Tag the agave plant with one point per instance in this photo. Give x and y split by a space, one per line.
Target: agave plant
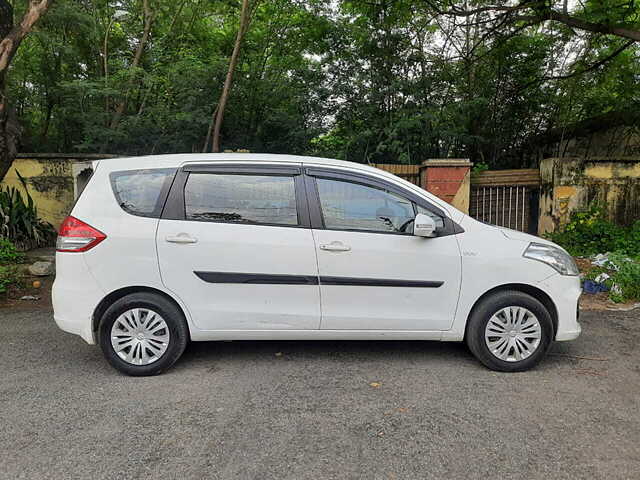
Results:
19 221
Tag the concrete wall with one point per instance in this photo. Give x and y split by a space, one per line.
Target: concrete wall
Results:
570 184
51 181
612 135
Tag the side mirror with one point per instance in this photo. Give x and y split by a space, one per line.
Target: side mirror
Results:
424 226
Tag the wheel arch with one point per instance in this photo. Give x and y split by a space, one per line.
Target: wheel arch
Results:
535 292
116 295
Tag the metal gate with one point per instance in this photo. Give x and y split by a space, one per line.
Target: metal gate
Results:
508 198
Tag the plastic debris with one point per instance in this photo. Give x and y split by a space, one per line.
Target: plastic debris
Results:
593 287
600 260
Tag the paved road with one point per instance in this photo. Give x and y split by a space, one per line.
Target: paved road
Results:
307 410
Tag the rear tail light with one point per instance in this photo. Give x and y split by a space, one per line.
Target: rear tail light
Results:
77 236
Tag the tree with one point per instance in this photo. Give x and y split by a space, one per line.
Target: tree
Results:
364 80
11 37
603 17
147 15
218 115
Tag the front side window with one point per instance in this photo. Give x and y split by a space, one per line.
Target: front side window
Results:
142 192
351 206
262 199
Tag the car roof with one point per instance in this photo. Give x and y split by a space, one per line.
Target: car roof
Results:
180 159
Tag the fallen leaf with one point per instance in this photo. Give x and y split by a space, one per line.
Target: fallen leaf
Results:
375 384
593 373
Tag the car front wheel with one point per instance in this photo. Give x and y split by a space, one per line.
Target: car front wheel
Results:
143 334
510 331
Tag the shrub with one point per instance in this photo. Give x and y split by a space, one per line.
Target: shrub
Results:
626 278
9 275
19 220
479 167
589 232
8 252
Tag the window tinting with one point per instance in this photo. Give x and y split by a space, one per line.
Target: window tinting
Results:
351 206
241 198
142 192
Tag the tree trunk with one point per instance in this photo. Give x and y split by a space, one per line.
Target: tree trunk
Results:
10 38
137 56
245 18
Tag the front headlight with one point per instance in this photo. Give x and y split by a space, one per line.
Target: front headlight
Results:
552 256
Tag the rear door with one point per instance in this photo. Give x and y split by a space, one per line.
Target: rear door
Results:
234 243
374 273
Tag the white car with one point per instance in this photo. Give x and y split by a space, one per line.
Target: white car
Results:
162 250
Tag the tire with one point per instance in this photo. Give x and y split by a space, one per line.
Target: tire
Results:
150 350
521 354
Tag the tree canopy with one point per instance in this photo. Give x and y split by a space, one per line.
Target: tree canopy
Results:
367 81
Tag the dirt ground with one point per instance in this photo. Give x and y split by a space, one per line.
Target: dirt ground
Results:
42 294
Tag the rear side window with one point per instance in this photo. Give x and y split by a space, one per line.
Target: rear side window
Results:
262 199
142 192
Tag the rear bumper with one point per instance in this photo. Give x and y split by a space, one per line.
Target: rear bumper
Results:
75 295
77 328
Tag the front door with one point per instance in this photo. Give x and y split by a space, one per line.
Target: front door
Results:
374 274
235 245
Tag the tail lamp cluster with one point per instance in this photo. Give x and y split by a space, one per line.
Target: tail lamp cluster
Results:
77 236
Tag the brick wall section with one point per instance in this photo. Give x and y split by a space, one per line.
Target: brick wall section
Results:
448 179
445 181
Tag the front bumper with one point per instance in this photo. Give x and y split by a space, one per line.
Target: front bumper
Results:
565 292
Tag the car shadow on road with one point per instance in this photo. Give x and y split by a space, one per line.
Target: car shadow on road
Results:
431 353
386 352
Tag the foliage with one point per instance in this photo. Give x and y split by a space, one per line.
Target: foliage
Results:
589 232
9 275
624 277
479 167
19 221
8 252
364 81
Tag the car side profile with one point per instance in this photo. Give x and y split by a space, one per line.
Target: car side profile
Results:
162 250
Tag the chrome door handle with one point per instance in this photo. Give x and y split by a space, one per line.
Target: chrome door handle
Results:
181 238
335 247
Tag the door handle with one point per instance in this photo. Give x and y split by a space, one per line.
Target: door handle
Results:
182 238
335 247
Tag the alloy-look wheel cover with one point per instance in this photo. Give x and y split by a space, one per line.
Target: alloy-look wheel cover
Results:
513 334
140 336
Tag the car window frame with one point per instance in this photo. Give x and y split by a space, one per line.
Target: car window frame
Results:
315 208
174 208
162 194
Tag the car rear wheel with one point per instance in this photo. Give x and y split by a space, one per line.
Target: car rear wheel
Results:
143 334
510 331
